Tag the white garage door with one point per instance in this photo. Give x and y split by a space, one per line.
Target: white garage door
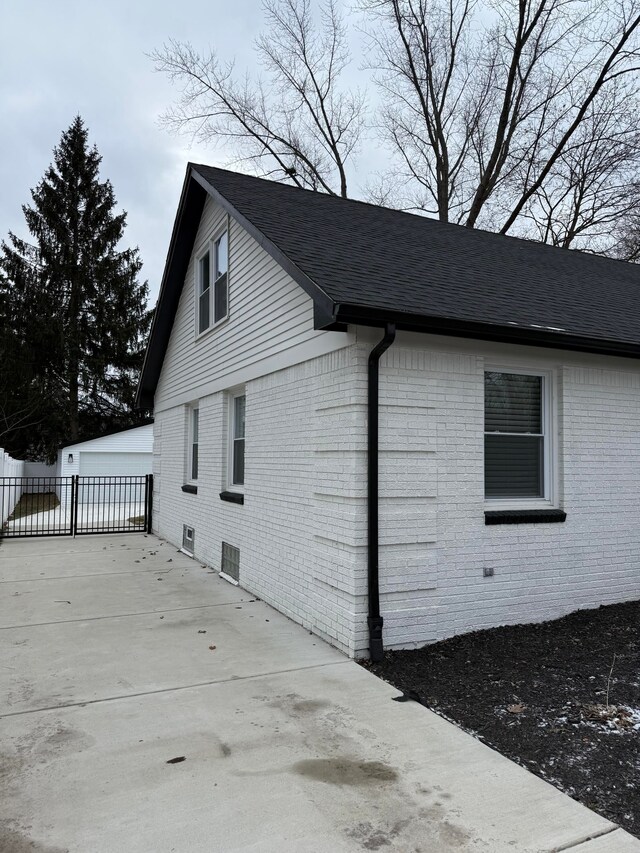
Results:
115 464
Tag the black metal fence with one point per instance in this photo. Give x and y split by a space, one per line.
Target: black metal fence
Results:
72 506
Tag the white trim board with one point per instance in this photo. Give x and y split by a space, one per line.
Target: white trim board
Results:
325 343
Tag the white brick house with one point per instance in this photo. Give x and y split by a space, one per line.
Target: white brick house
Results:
509 414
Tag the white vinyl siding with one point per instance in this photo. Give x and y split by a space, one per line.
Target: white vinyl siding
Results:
269 315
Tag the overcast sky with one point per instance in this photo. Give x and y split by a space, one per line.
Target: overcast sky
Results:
63 57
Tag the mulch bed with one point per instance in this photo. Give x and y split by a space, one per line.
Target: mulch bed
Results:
538 694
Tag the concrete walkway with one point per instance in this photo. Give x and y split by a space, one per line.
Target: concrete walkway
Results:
109 673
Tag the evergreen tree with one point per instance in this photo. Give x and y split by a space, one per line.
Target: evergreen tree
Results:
72 309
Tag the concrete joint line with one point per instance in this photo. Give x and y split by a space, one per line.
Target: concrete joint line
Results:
90 575
573 844
232 680
114 616
72 551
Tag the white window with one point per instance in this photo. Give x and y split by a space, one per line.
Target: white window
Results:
204 292
212 290
517 437
220 278
236 439
192 456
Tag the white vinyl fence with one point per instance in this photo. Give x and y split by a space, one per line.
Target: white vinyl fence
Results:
10 495
44 478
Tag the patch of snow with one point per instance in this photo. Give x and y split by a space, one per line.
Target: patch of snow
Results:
613 719
548 328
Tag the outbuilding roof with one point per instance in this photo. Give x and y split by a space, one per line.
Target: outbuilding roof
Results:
371 265
115 431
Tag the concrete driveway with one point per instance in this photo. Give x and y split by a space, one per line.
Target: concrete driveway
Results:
120 654
91 516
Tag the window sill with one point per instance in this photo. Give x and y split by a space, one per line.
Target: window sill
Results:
209 329
232 497
525 516
190 489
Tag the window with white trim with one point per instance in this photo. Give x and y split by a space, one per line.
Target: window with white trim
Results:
220 278
204 292
236 439
517 436
212 284
192 455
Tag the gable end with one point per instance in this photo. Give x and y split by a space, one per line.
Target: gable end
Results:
194 193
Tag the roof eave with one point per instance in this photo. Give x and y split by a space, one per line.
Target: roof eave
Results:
186 223
513 334
107 434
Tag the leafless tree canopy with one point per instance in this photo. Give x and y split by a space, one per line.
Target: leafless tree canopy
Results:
297 122
516 115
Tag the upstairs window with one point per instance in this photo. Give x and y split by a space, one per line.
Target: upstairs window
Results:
204 292
516 435
220 289
212 289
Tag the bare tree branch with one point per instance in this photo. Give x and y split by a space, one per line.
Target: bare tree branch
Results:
514 115
299 122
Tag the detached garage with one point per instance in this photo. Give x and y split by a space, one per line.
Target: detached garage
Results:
119 453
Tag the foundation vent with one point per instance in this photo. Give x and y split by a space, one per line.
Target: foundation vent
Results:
230 565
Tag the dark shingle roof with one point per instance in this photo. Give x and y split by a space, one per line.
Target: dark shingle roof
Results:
383 259
371 265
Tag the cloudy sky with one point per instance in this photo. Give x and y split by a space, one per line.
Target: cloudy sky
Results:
63 57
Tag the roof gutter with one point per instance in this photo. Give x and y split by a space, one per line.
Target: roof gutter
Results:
375 620
512 334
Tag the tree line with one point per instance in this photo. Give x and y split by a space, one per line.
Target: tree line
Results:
517 116
73 314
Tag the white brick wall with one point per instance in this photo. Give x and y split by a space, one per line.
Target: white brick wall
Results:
295 531
432 576
302 529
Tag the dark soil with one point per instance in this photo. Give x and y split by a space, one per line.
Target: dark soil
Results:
538 694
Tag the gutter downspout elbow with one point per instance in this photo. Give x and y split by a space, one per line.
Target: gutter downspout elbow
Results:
374 621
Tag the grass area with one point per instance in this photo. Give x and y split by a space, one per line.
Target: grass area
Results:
32 504
136 519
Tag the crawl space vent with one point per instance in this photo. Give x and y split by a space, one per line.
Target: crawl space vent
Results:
230 561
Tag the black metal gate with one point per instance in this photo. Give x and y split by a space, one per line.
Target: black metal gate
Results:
75 506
